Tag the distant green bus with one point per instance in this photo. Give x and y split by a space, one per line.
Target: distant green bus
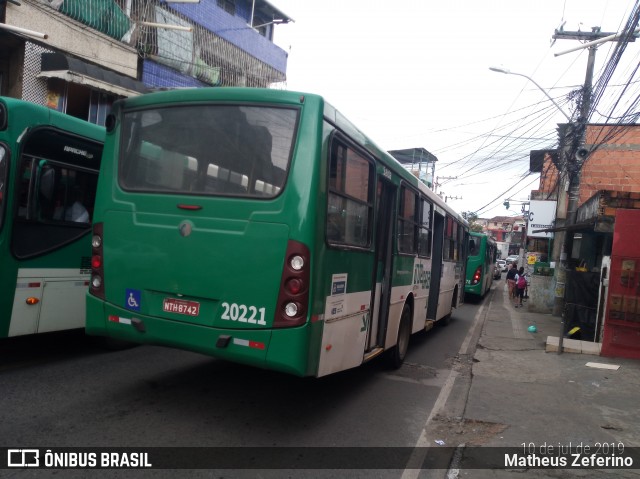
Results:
481 261
261 227
49 164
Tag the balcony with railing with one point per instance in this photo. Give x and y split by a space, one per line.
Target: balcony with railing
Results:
212 42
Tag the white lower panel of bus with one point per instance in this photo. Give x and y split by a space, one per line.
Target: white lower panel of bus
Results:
346 321
61 302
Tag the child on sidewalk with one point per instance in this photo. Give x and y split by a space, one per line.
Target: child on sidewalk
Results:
521 284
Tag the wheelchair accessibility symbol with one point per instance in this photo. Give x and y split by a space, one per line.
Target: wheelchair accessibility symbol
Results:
132 300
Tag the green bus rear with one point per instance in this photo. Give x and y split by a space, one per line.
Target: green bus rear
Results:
49 164
261 227
480 264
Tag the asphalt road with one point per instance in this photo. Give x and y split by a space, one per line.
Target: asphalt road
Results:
66 391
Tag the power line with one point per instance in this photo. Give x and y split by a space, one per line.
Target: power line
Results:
501 195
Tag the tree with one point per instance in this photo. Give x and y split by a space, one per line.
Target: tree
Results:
471 218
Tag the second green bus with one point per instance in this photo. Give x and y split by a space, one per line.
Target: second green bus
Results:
481 262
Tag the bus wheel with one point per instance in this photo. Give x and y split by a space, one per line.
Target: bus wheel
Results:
398 353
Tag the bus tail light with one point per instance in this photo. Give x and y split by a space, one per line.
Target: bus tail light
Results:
96 285
477 275
293 299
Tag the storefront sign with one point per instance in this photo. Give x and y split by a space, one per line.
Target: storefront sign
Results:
542 215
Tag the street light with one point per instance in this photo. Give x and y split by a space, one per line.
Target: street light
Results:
509 72
573 188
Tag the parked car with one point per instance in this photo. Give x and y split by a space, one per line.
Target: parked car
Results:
502 264
497 270
511 258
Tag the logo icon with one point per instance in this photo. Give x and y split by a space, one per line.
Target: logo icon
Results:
132 299
23 457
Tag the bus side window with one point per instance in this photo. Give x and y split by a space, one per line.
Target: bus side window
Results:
24 188
407 222
61 194
350 196
453 240
424 232
335 227
3 179
46 189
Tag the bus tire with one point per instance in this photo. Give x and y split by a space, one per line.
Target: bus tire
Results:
399 351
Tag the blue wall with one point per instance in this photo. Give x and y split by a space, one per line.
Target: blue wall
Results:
234 29
156 75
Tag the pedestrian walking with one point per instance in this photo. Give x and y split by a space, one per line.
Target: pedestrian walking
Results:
511 279
521 284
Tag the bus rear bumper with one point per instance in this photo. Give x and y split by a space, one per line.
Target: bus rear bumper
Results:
280 349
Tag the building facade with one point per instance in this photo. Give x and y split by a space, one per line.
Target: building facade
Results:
507 229
78 56
610 179
609 187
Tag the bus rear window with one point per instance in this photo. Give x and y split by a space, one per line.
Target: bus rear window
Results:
207 150
474 246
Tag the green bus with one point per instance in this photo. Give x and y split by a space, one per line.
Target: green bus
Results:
49 165
481 262
262 227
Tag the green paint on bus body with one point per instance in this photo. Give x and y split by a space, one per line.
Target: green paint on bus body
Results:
195 233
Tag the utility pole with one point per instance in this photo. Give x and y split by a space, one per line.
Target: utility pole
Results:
437 184
573 154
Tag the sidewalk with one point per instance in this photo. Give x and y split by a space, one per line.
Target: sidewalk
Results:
520 393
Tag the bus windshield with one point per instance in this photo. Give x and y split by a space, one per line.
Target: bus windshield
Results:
207 149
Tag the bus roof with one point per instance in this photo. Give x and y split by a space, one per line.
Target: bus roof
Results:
20 114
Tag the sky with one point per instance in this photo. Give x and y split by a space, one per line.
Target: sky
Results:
415 74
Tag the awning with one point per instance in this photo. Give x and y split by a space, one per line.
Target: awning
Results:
58 65
412 156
